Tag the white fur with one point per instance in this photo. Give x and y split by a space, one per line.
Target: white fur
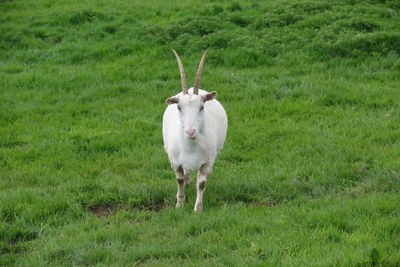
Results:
200 153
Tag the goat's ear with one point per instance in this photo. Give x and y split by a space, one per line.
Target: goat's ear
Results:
209 96
172 100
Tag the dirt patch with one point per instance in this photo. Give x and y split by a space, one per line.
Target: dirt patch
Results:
157 206
103 211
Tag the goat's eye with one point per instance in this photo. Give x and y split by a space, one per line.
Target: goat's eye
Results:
201 108
179 108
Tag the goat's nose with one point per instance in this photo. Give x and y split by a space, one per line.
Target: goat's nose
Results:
191 132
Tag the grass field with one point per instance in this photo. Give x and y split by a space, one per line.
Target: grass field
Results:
310 172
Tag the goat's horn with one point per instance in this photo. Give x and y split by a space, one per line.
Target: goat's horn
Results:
198 74
182 71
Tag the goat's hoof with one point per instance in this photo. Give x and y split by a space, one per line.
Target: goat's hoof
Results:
198 207
179 204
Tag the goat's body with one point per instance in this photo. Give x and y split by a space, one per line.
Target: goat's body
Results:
193 154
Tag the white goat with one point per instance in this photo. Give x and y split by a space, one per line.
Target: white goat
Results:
194 131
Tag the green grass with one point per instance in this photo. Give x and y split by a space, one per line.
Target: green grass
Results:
309 175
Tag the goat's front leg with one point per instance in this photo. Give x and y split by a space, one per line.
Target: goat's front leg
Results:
181 180
202 177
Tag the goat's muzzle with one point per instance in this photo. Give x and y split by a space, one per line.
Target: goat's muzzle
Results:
191 133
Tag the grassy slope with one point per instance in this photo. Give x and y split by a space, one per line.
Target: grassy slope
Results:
311 89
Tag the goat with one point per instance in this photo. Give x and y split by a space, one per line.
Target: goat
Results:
194 131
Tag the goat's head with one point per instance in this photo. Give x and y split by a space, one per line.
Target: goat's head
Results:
190 105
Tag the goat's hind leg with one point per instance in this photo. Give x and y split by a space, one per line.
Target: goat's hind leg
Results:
180 180
188 178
